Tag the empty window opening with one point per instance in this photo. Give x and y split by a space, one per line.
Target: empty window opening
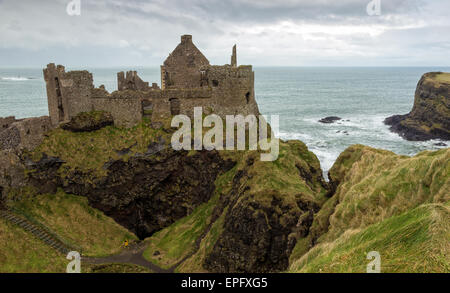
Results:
247 97
59 99
215 83
174 106
147 109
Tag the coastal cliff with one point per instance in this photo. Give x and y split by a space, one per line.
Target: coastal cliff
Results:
225 211
430 116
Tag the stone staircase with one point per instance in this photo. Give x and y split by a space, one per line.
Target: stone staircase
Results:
37 231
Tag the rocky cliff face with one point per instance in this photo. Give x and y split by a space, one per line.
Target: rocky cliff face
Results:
145 193
430 116
262 223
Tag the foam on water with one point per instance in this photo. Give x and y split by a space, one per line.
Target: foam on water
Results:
15 78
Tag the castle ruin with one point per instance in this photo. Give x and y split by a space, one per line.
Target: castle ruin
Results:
187 81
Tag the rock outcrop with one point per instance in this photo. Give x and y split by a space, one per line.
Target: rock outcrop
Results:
430 116
23 133
330 119
89 121
144 193
262 223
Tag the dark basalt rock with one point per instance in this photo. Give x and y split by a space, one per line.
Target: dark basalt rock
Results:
330 119
441 144
89 121
258 236
2 199
145 193
430 116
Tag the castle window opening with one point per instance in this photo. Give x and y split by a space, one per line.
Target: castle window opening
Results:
247 97
174 106
59 98
215 83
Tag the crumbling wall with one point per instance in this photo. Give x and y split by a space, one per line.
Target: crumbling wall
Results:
132 81
124 106
25 134
68 93
232 90
187 81
6 122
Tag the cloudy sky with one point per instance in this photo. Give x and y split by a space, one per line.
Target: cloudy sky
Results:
267 32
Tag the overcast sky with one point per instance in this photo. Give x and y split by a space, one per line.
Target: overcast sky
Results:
267 32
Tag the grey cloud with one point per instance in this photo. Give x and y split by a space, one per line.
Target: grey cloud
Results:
152 29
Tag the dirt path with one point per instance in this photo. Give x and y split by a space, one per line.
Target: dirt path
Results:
131 255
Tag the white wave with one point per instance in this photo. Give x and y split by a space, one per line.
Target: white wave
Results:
293 135
15 78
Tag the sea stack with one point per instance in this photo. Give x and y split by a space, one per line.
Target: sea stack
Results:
430 116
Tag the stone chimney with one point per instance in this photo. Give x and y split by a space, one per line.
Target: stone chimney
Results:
234 57
186 38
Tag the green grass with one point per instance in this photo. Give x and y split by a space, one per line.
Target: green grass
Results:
442 77
415 241
115 268
74 221
89 151
375 185
21 252
379 184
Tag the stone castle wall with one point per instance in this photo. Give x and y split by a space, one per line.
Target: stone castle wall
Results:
24 133
187 81
67 93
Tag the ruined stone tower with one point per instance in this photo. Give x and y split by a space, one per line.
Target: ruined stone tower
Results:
187 81
67 93
182 69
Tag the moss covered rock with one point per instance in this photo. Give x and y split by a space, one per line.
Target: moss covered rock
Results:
430 116
89 121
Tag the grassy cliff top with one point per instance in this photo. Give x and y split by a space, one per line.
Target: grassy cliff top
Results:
393 204
441 77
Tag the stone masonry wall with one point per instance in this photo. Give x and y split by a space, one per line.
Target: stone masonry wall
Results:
25 133
124 106
67 93
182 68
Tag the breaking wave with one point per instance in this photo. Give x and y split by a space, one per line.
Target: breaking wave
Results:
15 78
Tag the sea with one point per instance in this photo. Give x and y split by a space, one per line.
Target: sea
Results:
362 97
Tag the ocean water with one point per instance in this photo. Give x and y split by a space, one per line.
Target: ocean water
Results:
363 97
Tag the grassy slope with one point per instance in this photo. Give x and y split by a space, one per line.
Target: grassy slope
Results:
380 184
73 220
375 186
116 268
21 252
415 241
89 151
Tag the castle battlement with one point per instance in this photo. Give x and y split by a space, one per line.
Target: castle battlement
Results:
187 81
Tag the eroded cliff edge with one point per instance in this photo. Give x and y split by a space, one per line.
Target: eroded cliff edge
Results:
430 116
227 211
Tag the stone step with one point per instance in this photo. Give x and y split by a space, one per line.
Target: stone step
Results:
38 232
